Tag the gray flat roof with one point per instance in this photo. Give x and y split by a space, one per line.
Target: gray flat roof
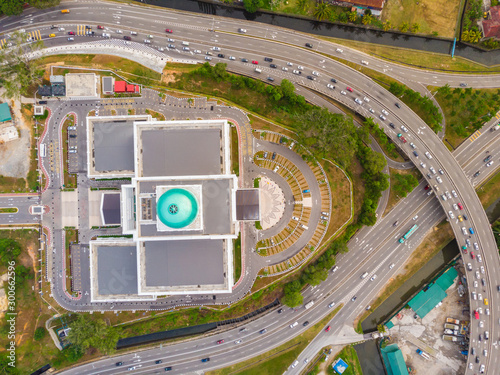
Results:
216 203
113 146
187 262
247 204
111 208
181 152
116 270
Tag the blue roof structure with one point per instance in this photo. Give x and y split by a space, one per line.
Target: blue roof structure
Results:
177 208
5 114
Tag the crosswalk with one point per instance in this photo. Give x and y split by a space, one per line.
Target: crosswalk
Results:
2 43
475 136
80 30
35 35
498 115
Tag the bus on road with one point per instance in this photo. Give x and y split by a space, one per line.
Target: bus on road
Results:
408 234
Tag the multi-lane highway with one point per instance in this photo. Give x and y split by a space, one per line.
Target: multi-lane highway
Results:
289 47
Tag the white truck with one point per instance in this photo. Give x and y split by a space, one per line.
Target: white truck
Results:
309 305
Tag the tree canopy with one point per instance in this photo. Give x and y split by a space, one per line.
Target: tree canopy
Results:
9 250
251 6
86 333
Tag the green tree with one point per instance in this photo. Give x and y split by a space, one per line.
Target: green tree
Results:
415 28
87 333
11 7
367 19
353 16
466 35
404 184
252 6
404 27
18 70
9 250
40 333
219 71
293 299
343 17
444 90
5 368
322 11
381 328
387 25
287 88
43 4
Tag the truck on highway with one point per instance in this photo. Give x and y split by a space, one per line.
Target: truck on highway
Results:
453 321
408 234
309 305
423 354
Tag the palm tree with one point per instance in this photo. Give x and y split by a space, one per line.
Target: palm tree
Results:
322 11
466 35
353 16
475 36
387 25
404 27
303 5
415 28
367 19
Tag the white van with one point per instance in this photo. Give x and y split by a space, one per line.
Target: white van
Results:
258 70
294 364
147 41
294 325
185 43
364 275
106 35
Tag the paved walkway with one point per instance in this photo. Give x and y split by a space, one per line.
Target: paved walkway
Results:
272 203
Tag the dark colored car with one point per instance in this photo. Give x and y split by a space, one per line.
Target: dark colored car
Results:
52 27
268 59
463 84
274 66
221 55
311 78
88 27
42 102
333 80
158 361
169 368
397 105
270 79
127 37
263 331
244 60
274 156
280 310
476 174
306 323
392 125
487 159
220 342
206 359
309 45
426 187
119 363
72 135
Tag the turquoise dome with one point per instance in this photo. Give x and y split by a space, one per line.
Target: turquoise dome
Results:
177 208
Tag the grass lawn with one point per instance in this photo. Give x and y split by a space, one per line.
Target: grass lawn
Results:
393 197
237 258
431 15
260 123
156 115
71 237
69 179
8 210
490 190
349 355
277 360
235 159
466 110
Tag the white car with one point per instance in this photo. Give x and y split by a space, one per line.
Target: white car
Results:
294 364
422 164
364 62
415 217
382 117
487 311
315 73
443 197
170 40
439 179
469 267
242 30
358 101
478 276
479 258
476 246
289 64
237 342
197 51
61 29
343 92
373 277
451 214
232 58
215 49
476 284
441 171
186 49
412 145
403 128
391 266
366 99
385 112
208 58
331 87
340 50
71 39
285 69
455 207
300 67
429 156
433 171
331 305
371 110
481 324
482 270
296 72
119 32
294 325
489 164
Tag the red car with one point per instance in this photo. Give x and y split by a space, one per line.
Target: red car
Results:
460 206
255 62
476 314
472 255
168 31
71 33
220 341
348 89
100 27
328 328
426 187
403 139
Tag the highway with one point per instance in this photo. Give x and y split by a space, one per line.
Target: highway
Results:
196 29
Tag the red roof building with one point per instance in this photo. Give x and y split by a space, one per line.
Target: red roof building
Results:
137 89
130 88
120 86
491 26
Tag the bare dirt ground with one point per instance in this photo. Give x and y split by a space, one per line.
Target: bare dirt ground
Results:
411 334
15 155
